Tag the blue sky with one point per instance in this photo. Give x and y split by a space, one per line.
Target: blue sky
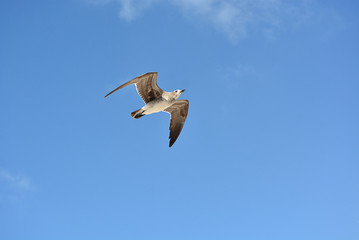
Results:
270 148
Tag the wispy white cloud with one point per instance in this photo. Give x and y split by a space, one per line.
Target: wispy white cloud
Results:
129 9
235 18
15 181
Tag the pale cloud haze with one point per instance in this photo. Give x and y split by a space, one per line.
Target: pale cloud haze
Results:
15 181
235 19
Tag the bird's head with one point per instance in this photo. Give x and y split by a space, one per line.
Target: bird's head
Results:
178 93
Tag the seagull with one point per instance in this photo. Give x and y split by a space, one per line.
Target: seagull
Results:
157 100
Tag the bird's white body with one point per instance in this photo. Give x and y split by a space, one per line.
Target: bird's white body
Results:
157 105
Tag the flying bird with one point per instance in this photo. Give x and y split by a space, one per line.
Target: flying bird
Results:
157 100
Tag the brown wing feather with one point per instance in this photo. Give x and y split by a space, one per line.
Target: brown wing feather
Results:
146 86
178 111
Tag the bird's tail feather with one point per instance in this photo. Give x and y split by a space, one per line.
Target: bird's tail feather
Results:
138 113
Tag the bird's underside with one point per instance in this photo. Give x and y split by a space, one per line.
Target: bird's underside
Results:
158 100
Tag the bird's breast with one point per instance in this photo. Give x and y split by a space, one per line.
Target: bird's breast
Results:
157 105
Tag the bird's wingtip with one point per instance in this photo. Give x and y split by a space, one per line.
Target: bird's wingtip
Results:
171 142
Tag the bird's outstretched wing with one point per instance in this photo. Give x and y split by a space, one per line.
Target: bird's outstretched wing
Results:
178 111
146 86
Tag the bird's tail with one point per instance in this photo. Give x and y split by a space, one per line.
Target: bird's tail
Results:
138 113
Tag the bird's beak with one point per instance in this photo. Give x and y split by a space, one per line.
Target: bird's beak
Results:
183 90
